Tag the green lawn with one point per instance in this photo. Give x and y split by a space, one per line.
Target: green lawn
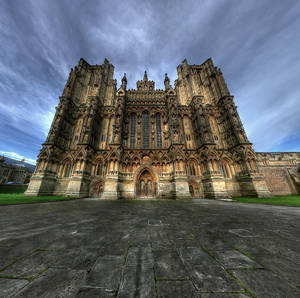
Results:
19 198
292 201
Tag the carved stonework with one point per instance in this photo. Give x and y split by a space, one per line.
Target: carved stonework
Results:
181 142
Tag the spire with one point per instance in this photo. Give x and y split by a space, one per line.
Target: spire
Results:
124 82
145 76
167 82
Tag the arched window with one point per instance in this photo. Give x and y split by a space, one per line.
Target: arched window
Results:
99 169
193 170
132 130
66 170
145 117
158 130
225 169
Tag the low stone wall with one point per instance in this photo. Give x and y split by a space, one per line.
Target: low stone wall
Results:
281 170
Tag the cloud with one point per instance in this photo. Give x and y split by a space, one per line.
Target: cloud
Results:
254 43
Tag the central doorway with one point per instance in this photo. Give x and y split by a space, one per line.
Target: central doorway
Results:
97 189
146 187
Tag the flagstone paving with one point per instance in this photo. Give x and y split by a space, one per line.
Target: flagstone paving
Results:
199 248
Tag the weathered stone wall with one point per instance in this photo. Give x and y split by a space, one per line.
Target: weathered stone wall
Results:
233 188
281 171
279 181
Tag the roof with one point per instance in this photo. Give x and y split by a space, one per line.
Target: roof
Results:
10 161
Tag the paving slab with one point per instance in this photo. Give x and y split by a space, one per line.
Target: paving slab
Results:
32 265
283 266
224 295
138 274
97 248
175 288
206 273
9 287
54 283
159 238
106 272
210 242
265 284
82 258
192 256
233 259
213 278
167 265
138 281
22 247
94 292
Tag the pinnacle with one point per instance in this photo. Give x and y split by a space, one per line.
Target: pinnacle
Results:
145 76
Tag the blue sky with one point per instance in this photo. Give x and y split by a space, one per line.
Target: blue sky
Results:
256 43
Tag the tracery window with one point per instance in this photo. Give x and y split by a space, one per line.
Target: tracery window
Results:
224 171
145 118
66 169
132 130
99 169
158 130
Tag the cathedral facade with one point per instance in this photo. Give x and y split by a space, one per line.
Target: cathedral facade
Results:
181 142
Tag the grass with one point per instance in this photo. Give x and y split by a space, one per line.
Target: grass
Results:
19 198
292 201
13 194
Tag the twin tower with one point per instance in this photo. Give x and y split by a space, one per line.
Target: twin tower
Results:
182 142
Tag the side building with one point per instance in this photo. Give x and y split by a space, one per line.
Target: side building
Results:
181 142
15 171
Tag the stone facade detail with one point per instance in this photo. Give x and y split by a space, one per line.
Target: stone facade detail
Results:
281 170
181 142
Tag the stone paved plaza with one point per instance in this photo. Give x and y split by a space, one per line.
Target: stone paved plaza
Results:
200 248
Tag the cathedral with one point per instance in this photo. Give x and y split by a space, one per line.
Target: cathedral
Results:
185 141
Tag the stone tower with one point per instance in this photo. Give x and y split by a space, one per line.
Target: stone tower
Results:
181 142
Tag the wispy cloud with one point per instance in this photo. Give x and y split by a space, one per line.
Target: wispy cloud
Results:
255 43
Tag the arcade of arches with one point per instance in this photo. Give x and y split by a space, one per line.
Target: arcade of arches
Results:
185 141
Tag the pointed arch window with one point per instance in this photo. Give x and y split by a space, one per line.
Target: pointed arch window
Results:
65 169
145 117
158 130
193 170
99 169
132 130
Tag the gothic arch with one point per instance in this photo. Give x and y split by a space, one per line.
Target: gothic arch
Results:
99 167
193 167
194 188
146 182
97 188
226 167
65 168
